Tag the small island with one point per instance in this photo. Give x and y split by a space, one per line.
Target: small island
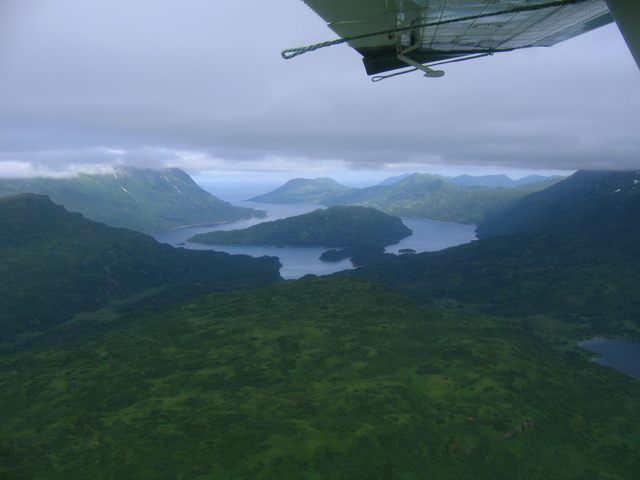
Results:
350 227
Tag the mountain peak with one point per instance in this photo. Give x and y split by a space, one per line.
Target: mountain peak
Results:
146 200
304 190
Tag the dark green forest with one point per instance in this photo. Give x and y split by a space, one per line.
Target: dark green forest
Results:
339 226
578 264
322 378
458 364
55 264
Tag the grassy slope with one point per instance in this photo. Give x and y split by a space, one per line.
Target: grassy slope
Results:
429 196
333 378
417 195
149 201
304 190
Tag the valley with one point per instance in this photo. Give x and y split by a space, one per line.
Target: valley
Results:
461 363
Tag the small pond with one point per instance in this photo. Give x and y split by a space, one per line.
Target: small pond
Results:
623 355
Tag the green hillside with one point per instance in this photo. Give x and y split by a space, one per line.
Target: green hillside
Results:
585 194
304 190
455 365
417 195
54 264
340 226
582 274
149 201
499 180
432 197
332 378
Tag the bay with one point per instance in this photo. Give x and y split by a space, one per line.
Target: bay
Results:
428 235
623 355
431 235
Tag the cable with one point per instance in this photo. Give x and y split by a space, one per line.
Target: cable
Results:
294 52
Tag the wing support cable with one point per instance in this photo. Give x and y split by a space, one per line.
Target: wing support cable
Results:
294 52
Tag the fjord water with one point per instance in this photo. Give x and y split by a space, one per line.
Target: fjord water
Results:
623 355
428 236
431 236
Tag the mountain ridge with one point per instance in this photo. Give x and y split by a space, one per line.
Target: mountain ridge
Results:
416 195
303 190
565 202
146 200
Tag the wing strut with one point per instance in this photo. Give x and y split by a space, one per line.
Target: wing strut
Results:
377 78
626 13
294 52
429 72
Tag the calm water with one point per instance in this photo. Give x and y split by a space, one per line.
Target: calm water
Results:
623 355
428 236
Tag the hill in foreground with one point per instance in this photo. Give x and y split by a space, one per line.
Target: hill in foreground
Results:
149 201
339 226
55 264
333 378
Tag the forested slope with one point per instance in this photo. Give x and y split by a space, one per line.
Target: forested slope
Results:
339 226
54 263
577 264
333 378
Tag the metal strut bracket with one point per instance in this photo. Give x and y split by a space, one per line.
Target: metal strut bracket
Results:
414 39
429 72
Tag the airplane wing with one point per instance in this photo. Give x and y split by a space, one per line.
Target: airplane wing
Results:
391 34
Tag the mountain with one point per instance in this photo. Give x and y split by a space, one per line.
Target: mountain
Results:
331 378
55 264
339 226
149 201
432 197
304 190
417 195
500 180
482 180
460 364
392 180
576 264
595 194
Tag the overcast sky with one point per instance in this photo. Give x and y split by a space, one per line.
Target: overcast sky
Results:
201 85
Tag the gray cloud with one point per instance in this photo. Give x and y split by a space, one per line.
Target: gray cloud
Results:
202 85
